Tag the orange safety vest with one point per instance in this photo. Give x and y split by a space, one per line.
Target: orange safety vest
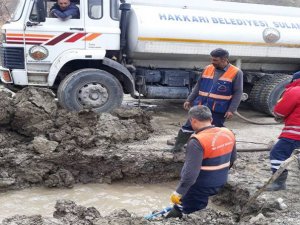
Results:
216 96
217 144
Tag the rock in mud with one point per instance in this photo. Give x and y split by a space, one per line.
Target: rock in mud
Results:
42 145
70 213
62 178
31 220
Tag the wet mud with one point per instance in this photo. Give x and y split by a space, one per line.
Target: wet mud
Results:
44 145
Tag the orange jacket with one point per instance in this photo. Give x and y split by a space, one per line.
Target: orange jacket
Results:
218 144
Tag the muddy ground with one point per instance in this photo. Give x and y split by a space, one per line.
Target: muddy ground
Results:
44 145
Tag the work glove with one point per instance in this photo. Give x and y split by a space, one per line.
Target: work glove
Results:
175 198
279 119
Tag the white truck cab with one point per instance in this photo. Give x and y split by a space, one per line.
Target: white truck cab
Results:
41 51
153 49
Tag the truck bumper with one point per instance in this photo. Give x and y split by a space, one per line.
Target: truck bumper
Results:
5 75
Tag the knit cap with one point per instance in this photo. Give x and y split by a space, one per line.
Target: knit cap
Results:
296 76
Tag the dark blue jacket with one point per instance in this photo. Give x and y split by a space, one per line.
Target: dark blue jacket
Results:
72 11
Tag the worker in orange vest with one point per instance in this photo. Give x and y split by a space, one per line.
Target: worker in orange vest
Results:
210 153
220 88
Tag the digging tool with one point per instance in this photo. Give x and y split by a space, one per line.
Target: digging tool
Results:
160 213
282 167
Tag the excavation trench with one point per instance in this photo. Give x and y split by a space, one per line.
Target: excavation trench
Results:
111 161
43 145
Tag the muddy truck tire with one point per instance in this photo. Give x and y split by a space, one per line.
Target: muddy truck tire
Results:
267 91
90 89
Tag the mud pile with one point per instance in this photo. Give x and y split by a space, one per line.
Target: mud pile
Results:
67 213
42 144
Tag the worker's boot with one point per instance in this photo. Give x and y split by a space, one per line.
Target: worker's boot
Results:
279 183
181 140
171 141
174 213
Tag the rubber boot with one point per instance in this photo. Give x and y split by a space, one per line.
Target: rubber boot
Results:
171 141
174 213
181 140
279 183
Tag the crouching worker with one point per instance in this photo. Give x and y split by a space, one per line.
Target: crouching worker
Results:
288 109
210 153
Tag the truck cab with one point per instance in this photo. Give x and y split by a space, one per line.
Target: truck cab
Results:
40 50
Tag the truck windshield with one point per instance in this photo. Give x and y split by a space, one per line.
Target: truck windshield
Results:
16 7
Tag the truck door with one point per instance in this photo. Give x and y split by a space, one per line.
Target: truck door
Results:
45 41
102 23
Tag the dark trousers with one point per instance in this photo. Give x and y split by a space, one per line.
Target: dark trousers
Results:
281 151
197 198
218 121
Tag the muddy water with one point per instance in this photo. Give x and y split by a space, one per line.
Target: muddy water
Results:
140 199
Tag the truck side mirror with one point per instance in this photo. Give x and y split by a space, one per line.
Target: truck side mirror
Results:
41 10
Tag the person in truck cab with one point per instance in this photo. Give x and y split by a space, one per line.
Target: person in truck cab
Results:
64 10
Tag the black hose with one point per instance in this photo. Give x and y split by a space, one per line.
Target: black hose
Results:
252 121
252 142
254 150
263 149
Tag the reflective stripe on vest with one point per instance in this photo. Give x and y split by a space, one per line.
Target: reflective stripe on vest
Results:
206 94
217 143
222 166
289 129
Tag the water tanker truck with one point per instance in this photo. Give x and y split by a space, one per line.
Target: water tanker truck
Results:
149 49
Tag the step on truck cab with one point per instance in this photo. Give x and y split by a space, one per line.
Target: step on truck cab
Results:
153 49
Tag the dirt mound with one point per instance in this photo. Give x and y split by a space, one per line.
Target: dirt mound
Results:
42 144
67 213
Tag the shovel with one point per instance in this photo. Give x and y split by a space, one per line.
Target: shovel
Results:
283 166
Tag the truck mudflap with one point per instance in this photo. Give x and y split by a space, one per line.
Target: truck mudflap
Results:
5 75
129 81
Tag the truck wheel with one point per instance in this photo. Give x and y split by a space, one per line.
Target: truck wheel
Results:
90 89
267 91
257 90
272 92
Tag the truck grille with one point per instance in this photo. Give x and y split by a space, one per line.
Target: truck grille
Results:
12 58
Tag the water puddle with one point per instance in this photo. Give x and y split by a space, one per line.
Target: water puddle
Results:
140 199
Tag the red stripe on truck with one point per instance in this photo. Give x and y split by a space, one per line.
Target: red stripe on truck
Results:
76 37
59 38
